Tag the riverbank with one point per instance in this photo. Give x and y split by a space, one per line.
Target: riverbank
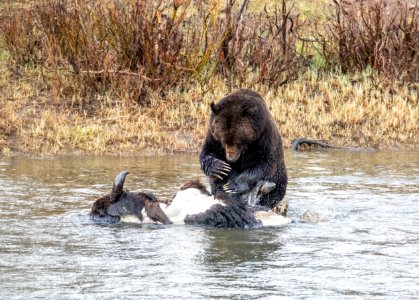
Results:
94 77
340 109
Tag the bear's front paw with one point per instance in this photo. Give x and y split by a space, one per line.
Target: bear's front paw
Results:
236 187
219 169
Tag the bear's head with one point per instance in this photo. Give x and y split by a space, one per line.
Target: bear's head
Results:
237 121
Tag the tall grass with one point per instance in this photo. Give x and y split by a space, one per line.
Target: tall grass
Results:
112 76
378 34
329 107
19 37
128 48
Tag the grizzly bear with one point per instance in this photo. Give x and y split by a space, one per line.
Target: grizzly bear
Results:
243 147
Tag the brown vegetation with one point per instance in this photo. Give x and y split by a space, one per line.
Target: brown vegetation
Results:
378 34
99 76
88 47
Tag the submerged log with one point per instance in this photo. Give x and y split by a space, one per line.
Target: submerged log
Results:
303 144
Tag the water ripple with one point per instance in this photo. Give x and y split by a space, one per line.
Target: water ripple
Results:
365 244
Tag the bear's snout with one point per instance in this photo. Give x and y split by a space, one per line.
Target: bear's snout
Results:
232 153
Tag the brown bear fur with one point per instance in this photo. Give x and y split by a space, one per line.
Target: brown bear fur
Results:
243 147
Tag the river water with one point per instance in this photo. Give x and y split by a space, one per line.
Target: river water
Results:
365 244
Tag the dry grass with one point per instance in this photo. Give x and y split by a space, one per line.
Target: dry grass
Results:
48 107
337 109
378 34
128 48
333 108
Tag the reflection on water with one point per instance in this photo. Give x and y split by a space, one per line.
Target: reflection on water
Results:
365 245
240 246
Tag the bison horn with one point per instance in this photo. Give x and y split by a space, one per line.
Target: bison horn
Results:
118 186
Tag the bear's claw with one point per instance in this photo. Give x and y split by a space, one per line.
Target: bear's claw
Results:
226 167
228 189
236 186
223 173
220 169
218 176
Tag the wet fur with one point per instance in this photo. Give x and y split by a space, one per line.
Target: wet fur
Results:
197 184
233 215
129 204
119 203
225 216
243 119
192 198
112 207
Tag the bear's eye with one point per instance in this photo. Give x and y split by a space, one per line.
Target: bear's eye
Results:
253 110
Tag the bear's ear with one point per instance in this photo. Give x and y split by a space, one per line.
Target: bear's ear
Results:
253 110
214 108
